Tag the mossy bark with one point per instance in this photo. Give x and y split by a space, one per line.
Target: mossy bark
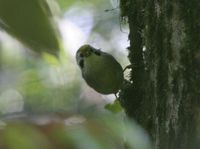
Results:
0 56
164 94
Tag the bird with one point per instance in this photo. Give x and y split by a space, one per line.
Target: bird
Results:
100 70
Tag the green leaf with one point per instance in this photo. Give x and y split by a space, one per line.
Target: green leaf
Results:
114 107
15 138
64 4
30 22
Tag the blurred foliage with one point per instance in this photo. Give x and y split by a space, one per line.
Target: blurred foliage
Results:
65 4
30 21
44 94
75 132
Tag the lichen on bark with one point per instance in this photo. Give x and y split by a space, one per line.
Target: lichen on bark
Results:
164 96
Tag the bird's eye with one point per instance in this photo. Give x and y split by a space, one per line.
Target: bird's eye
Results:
81 63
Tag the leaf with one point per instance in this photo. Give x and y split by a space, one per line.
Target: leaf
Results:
64 4
30 22
52 60
114 107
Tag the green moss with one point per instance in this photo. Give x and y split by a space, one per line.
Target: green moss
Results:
124 7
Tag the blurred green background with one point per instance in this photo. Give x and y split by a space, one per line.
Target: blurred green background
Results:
42 83
42 95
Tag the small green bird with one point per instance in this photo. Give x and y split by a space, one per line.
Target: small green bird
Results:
100 70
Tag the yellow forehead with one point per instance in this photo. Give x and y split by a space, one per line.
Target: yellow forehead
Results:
85 50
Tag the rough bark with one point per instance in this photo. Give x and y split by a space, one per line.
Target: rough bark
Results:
164 94
0 56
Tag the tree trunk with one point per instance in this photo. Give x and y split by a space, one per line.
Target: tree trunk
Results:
1 56
164 94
